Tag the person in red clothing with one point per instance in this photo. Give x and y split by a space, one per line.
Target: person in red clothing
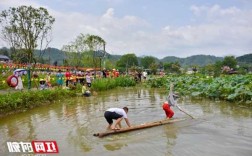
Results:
68 76
117 73
168 111
172 101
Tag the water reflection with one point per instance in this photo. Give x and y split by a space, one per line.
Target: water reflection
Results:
171 135
114 146
226 108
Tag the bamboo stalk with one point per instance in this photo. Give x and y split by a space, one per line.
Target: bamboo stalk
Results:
137 127
184 112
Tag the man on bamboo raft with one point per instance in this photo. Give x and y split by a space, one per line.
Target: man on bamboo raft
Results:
116 114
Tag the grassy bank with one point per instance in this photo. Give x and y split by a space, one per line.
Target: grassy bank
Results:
21 101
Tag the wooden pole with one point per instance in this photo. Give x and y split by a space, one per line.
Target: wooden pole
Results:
185 112
142 126
171 94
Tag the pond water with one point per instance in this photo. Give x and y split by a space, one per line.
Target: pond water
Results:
219 128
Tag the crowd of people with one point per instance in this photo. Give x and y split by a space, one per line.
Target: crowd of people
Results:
46 79
66 78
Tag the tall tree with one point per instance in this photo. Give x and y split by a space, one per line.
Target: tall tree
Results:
147 61
97 46
229 61
26 28
153 68
4 51
167 67
173 67
127 61
88 44
74 54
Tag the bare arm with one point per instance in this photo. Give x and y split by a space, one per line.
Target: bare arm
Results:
127 121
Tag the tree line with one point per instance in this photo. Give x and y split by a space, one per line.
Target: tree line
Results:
26 29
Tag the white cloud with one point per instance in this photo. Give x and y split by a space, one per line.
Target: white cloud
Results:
197 10
109 13
215 30
119 33
225 31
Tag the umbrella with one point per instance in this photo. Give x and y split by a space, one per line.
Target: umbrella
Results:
19 72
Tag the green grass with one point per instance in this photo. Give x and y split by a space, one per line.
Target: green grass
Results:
19 101
110 83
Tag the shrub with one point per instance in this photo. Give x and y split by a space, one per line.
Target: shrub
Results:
110 83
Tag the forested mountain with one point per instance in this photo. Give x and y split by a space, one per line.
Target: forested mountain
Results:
200 60
247 59
113 58
53 55
170 59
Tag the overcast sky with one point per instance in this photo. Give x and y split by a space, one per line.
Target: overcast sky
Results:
157 28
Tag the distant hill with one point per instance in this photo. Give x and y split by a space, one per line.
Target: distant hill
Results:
200 60
246 59
170 59
54 54
113 58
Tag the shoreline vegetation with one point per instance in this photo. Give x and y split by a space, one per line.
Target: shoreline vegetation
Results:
16 102
19 101
236 89
232 88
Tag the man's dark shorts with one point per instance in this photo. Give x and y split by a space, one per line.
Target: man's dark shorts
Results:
109 116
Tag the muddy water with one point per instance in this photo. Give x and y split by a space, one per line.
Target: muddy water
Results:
219 128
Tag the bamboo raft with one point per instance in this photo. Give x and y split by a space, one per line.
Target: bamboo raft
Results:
137 127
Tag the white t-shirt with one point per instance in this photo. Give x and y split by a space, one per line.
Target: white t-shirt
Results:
118 111
144 74
88 79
